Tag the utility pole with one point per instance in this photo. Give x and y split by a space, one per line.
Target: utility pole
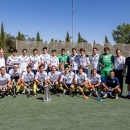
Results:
72 23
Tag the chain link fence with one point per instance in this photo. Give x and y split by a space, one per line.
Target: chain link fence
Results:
30 45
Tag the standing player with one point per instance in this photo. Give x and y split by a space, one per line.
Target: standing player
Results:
54 61
94 60
84 61
127 65
5 82
35 61
106 62
16 74
11 60
67 81
45 58
28 80
63 58
41 78
3 59
111 84
81 81
24 60
119 62
74 61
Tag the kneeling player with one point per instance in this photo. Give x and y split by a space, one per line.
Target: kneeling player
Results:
28 81
81 81
53 77
66 80
111 85
15 75
5 82
41 78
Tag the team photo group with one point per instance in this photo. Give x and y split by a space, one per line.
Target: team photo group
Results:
64 73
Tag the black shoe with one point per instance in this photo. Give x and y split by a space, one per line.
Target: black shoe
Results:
3 95
127 97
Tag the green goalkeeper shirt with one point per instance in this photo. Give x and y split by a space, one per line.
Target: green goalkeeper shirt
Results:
63 59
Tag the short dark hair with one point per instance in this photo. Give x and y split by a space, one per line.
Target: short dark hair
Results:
24 50
29 66
53 66
44 48
106 48
80 68
63 49
14 50
82 49
35 50
3 67
42 65
95 48
73 49
66 67
118 50
53 50
112 71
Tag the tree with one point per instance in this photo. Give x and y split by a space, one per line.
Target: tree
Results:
2 36
94 42
41 40
122 34
52 40
67 39
38 37
80 39
60 41
106 39
21 37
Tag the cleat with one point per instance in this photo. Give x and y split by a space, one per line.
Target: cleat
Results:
127 97
105 96
116 96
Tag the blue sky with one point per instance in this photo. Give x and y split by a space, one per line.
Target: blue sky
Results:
53 18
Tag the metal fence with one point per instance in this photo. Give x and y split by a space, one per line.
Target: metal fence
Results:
30 45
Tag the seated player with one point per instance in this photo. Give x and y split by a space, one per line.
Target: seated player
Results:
53 77
67 80
111 84
5 82
61 68
28 80
34 61
41 78
15 75
81 81
94 81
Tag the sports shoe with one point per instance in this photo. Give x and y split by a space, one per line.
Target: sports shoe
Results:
2 95
116 97
23 91
64 91
105 96
127 97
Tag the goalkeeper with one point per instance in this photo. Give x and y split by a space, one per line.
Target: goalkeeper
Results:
106 62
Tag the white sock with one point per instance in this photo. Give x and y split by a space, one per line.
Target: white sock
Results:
129 93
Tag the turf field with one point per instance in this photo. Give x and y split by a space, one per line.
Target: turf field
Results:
64 113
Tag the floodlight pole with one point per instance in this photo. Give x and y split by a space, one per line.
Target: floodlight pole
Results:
72 23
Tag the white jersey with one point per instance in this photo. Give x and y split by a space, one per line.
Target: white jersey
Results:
12 60
4 79
54 61
23 62
84 61
94 59
35 61
94 79
41 76
2 62
45 59
28 77
54 77
15 75
68 78
119 62
81 78
74 60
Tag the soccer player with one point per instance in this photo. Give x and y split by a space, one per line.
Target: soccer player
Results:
106 62
54 61
84 61
3 59
5 82
11 60
67 81
74 61
81 81
119 62
61 68
24 60
94 60
63 58
127 65
35 61
15 75
28 80
111 84
41 78
53 77
45 58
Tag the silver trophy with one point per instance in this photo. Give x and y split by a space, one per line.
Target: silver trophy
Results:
47 95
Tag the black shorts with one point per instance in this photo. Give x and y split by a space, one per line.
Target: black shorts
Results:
127 81
68 85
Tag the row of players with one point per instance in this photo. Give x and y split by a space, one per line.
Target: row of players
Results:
64 80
